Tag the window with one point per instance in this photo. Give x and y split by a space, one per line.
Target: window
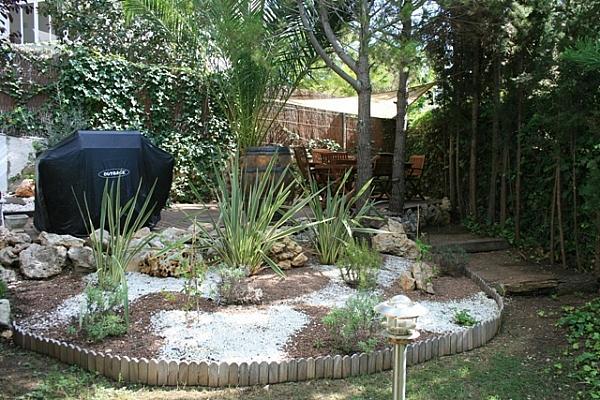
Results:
28 25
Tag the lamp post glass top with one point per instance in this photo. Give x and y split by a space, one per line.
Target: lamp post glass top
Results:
401 315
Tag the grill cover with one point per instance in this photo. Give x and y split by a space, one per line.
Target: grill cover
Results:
83 163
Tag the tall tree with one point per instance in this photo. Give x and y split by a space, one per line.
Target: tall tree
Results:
315 18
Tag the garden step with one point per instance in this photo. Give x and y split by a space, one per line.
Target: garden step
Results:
470 243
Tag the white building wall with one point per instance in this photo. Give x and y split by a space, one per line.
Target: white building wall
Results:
15 154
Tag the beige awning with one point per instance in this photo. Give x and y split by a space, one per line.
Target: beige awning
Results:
383 105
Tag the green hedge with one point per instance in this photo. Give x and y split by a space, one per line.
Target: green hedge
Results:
83 89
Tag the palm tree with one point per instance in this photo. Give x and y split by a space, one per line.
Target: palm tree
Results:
254 52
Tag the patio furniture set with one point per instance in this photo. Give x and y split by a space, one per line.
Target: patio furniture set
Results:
328 166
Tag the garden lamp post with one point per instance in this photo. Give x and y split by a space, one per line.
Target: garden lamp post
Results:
400 324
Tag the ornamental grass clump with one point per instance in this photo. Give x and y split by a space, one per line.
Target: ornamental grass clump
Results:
253 216
113 250
339 215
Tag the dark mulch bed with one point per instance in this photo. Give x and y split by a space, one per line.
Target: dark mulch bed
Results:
30 297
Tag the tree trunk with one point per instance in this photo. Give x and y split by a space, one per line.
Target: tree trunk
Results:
459 194
503 181
364 170
474 128
559 214
491 212
575 210
398 183
517 210
451 170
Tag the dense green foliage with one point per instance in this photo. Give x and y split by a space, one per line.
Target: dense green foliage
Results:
90 90
354 326
584 335
518 100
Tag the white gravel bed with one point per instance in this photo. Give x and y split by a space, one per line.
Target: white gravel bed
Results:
233 335
27 206
440 318
391 270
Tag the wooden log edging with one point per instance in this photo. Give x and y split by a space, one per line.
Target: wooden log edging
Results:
161 372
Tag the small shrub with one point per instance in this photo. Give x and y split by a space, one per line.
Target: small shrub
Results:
100 318
583 326
3 289
234 289
354 326
463 318
359 265
450 260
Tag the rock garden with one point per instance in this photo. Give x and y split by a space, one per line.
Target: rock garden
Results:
295 289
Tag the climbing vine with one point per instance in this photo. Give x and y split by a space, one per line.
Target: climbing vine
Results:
79 88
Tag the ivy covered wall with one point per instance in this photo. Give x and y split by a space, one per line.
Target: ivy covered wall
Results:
52 93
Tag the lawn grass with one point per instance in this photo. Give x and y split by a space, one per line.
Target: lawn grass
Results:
482 374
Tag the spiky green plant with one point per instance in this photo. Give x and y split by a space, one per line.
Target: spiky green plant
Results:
338 217
112 254
253 216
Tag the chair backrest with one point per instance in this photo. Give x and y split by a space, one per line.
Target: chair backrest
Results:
334 157
317 155
417 164
383 164
302 161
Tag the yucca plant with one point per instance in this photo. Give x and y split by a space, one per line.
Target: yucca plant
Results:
252 216
338 218
112 254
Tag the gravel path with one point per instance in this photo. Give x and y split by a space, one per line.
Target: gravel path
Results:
235 334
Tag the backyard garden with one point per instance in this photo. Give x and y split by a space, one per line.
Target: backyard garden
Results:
171 236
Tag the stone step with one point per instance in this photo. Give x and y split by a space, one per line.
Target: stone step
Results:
478 245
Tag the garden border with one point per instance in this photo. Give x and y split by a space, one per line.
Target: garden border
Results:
162 372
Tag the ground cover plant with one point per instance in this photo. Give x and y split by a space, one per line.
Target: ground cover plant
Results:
583 324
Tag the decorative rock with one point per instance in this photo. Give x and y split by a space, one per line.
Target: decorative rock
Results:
142 233
393 240
163 265
95 236
8 258
407 282
52 239
10 238
173 235
4 313
423 273
39 262
287 254
26 188
8 275
82 257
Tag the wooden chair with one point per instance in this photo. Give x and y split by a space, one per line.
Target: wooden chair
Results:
302 162
414 174
382 174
